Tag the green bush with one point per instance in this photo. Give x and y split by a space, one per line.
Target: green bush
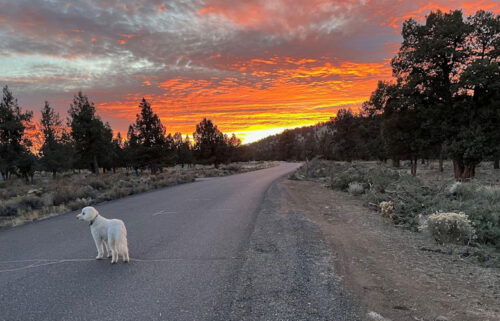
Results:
355 188
412 198
343 175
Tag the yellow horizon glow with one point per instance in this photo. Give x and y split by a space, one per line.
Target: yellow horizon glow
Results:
251 136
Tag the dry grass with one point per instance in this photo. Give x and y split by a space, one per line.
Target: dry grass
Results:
414 199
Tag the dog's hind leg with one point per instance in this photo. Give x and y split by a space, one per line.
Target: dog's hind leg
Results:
125 257
114 252
108 250
99 245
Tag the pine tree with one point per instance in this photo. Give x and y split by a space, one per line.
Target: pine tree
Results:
183 149
56 150
91 136
15 157
132 150
150 135
209 143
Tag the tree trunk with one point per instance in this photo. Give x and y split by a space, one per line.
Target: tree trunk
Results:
496 164
95 166
441 168
396 162
54 174
413 169
463 172
457 169
423 161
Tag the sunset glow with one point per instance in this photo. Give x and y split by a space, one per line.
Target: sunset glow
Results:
254 67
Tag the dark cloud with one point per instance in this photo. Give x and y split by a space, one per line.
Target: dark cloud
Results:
258 58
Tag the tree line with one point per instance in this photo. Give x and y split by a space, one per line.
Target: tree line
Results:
444 103
86 142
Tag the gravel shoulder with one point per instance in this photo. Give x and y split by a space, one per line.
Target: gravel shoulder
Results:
287 272
396 273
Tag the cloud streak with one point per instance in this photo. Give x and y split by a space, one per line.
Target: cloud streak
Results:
249 65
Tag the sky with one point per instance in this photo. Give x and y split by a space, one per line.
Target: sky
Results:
255 67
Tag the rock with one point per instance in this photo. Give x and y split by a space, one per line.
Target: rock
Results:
376 317
441 318
36 191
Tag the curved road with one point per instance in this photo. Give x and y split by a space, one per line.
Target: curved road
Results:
215 249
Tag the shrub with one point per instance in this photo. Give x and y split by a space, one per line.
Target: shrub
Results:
31 201
343 175
8 209
233 167
79 203
87 191
66 194
381 178
387 209
97 183
355 188
453 189
413 198
450 228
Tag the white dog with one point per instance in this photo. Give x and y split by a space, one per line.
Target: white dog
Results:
109 235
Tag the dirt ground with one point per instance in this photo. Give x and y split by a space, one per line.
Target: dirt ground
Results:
398 274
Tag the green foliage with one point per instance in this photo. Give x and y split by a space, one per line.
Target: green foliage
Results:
56 152
413 199
152 146
15 157
444 103
356 188
211 146
92 138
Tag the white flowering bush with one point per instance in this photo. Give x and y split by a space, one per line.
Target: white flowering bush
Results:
355 188
387 209
450 228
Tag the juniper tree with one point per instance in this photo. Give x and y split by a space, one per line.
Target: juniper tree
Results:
450 63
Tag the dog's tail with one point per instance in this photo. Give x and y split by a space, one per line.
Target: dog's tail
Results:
123 242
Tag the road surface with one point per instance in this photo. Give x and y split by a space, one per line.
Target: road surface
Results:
216 249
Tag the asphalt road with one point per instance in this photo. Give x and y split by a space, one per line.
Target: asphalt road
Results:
214 249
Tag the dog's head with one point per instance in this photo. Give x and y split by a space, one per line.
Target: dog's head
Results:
88 214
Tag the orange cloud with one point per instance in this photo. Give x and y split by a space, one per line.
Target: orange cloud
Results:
293 95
